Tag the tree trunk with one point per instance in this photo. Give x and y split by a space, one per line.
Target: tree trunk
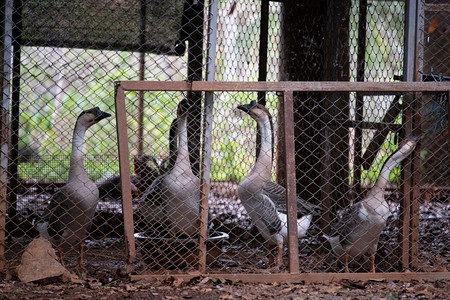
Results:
315 47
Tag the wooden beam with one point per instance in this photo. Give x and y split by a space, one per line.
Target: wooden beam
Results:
291 194
125 183
384 88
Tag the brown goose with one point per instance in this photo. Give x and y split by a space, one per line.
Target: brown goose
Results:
359 228
264 200
110 187
71 210
173 199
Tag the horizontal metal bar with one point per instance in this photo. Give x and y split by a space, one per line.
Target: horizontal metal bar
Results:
308 277
303 86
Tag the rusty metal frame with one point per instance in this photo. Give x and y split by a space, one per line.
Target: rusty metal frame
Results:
287 89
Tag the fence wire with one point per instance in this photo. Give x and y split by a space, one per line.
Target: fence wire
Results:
61 58
237 244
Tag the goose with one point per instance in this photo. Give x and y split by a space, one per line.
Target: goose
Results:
264 200
110 186
173 198
151 209
358 229
71 210
168 163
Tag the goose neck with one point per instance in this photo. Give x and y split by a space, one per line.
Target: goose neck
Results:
76 158
387 168
263 164
183 151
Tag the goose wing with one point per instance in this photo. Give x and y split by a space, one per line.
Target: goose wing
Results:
277 193
349 225
268 214
153 192
58 214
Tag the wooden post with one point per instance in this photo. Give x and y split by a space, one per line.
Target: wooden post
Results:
124 165
291 195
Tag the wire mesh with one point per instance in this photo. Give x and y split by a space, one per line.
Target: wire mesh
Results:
53 75
233 157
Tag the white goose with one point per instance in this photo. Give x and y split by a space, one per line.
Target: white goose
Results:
264 200
171 203
69 215
357 231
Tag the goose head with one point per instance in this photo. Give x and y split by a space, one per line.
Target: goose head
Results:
409 144
140 163
92 116
255 110
183 108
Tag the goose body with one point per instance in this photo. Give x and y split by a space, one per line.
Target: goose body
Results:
172 201
264 200
69 215
358 229
144 175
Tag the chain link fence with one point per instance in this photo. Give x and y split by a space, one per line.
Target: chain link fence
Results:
61 58
237 244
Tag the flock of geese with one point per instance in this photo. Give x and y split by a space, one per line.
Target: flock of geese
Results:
172 198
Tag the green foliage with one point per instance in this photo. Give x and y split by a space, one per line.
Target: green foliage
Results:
230 164
56 168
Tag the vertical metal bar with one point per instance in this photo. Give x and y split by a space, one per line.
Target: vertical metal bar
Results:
205 180
140 141
195 72
124 167
415 205
448 116
408 226
207 137
291 195
359 104
410 40
14 116
263 42
262 65
4 126
405 203
212 41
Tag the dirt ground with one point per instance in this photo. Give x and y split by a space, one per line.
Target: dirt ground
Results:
111 287
105 257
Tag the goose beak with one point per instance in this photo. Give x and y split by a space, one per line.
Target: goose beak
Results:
244 108
100 115
247 107
416 138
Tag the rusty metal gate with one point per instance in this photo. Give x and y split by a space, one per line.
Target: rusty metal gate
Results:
242 253
62 57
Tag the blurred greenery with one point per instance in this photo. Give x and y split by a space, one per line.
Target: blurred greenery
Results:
58 83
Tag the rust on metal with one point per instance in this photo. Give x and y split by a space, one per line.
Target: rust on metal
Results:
408 211
205 180
303 86
291 197
405 203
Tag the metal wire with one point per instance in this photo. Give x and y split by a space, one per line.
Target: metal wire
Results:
65 58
